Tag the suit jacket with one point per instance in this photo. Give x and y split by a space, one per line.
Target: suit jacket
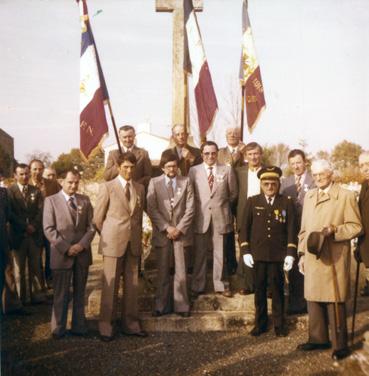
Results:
288 188
363 243
162 214
225 157
25 211
4 220
117 221
242 181
143 169
339 208
214 205
47 187
269 231
61 232
185 164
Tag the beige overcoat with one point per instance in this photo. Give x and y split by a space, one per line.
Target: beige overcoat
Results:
338 207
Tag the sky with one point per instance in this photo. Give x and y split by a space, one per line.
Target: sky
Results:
314 59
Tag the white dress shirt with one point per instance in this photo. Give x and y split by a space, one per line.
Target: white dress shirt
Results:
253 182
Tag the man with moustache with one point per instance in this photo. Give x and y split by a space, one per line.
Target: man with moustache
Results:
296 186
268 241
118 220
170 206
26 235
67 223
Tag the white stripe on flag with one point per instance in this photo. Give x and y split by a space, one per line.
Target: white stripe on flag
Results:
195 47
89 80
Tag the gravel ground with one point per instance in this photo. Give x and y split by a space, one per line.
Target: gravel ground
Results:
28 350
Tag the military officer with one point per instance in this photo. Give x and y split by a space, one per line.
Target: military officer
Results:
268 241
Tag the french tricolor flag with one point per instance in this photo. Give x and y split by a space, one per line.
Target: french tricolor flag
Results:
93 91
195 62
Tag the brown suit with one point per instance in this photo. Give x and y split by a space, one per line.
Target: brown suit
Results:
24 211
62 233
225 157
143 169
339 208
120 226
171 252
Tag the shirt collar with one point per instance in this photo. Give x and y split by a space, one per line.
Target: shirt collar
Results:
123 181
327 189
267 199
174 180
254 170
67 197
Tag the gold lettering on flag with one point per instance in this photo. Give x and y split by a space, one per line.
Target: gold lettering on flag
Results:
87 128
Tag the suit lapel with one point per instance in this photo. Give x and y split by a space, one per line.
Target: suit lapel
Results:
164 193
63 205
178 193
120 192
19 196
202 172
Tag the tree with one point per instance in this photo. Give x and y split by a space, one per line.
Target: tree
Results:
345 155
322 154
74 161
45 157
276 155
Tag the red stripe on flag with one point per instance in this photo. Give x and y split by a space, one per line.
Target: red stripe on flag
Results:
254 98
93 124
206 101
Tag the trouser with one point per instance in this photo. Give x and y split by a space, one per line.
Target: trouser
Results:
171 289
47 270
61 285
322 315
28 252
296 300
113 268
10 298
246 275
230 252
220 276
272 273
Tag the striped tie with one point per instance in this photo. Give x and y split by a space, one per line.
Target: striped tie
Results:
298 184
211 178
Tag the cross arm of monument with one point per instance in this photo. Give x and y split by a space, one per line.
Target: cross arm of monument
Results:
171 5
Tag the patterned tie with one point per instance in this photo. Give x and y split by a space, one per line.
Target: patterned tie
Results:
25 191
127 192
211 178
269 201
171 191
298 184
72 209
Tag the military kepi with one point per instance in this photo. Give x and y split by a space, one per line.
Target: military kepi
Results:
270 172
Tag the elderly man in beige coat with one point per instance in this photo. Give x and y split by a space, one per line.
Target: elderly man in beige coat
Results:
118 219
334 212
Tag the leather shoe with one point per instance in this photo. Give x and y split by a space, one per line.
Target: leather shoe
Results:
255 332
341 354
57 336
77 334
106 338
245 292
157 314
184 314
141 334
308 346
281 331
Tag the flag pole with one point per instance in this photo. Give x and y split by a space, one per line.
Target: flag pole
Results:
242 109
114 126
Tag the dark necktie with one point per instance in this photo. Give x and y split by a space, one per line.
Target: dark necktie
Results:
270 201
128 192
72 209
211 178
171 190
24 191
298 184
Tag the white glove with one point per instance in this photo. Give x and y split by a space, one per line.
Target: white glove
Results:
248 260
302 265
288 263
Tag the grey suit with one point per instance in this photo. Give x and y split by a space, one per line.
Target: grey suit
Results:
213 219
296 300
171 252
62 233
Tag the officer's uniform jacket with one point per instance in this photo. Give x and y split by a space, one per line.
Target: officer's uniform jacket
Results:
268 232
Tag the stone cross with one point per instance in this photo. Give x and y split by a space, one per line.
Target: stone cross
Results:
179 79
